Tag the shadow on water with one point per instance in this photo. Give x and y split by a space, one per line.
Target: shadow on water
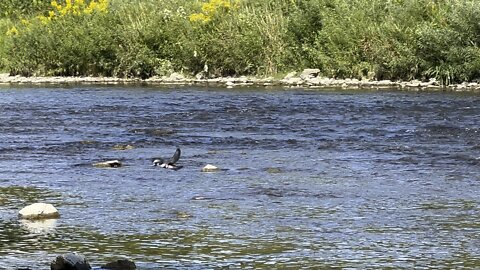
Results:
308 179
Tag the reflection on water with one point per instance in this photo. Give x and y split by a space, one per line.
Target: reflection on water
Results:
382 180
39 226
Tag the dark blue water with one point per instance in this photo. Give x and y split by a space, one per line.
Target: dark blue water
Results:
310 179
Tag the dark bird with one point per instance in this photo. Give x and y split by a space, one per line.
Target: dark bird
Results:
168 163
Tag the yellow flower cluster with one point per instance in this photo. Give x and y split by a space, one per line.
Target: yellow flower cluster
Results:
70 7
74 7
12 31
211 8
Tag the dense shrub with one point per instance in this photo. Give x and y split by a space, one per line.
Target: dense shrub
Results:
246 40
376 39
69 41
18 8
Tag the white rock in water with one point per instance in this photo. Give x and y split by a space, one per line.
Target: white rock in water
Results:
210 168
39 211
109 164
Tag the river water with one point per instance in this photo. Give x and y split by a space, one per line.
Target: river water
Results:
309 179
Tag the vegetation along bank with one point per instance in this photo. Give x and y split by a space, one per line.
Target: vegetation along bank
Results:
396 40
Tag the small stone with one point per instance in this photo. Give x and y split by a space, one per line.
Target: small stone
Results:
39 211
309 73
293 81
229 84
290 75
201 76
176 77
210 168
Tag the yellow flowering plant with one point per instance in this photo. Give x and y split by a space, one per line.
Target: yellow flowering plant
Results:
212 8
77 7
62 9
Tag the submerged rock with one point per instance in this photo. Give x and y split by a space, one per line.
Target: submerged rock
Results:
273 170
39 211
182 215
70 261
123 147
201 198
120 265
109 164
158 132
210 168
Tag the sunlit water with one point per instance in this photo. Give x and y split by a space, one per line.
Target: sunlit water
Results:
310 179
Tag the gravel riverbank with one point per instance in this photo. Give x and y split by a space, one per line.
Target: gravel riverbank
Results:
306 79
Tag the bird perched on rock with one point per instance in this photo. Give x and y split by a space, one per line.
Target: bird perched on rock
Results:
168 163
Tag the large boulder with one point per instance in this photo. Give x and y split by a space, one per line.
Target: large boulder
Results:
120 265
70 261
39 211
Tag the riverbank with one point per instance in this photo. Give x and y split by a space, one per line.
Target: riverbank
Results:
306 79
395 40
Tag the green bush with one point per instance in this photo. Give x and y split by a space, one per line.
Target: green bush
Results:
5 25
245 41
70 46
19 8
376 39
449 48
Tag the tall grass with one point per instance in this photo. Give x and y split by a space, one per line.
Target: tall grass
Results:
375 39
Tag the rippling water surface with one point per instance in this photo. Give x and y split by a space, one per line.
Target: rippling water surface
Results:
310 179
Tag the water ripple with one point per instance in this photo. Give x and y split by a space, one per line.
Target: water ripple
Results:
309 180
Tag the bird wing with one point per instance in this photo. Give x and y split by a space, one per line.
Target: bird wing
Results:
175 157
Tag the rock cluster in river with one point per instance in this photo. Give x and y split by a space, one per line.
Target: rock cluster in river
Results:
75 261
308 78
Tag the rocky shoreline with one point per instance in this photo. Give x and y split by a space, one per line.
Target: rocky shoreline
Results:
308 78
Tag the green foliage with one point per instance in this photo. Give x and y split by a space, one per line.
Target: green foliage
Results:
449 50
377 39
19 8
63 48
5 24
250 41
